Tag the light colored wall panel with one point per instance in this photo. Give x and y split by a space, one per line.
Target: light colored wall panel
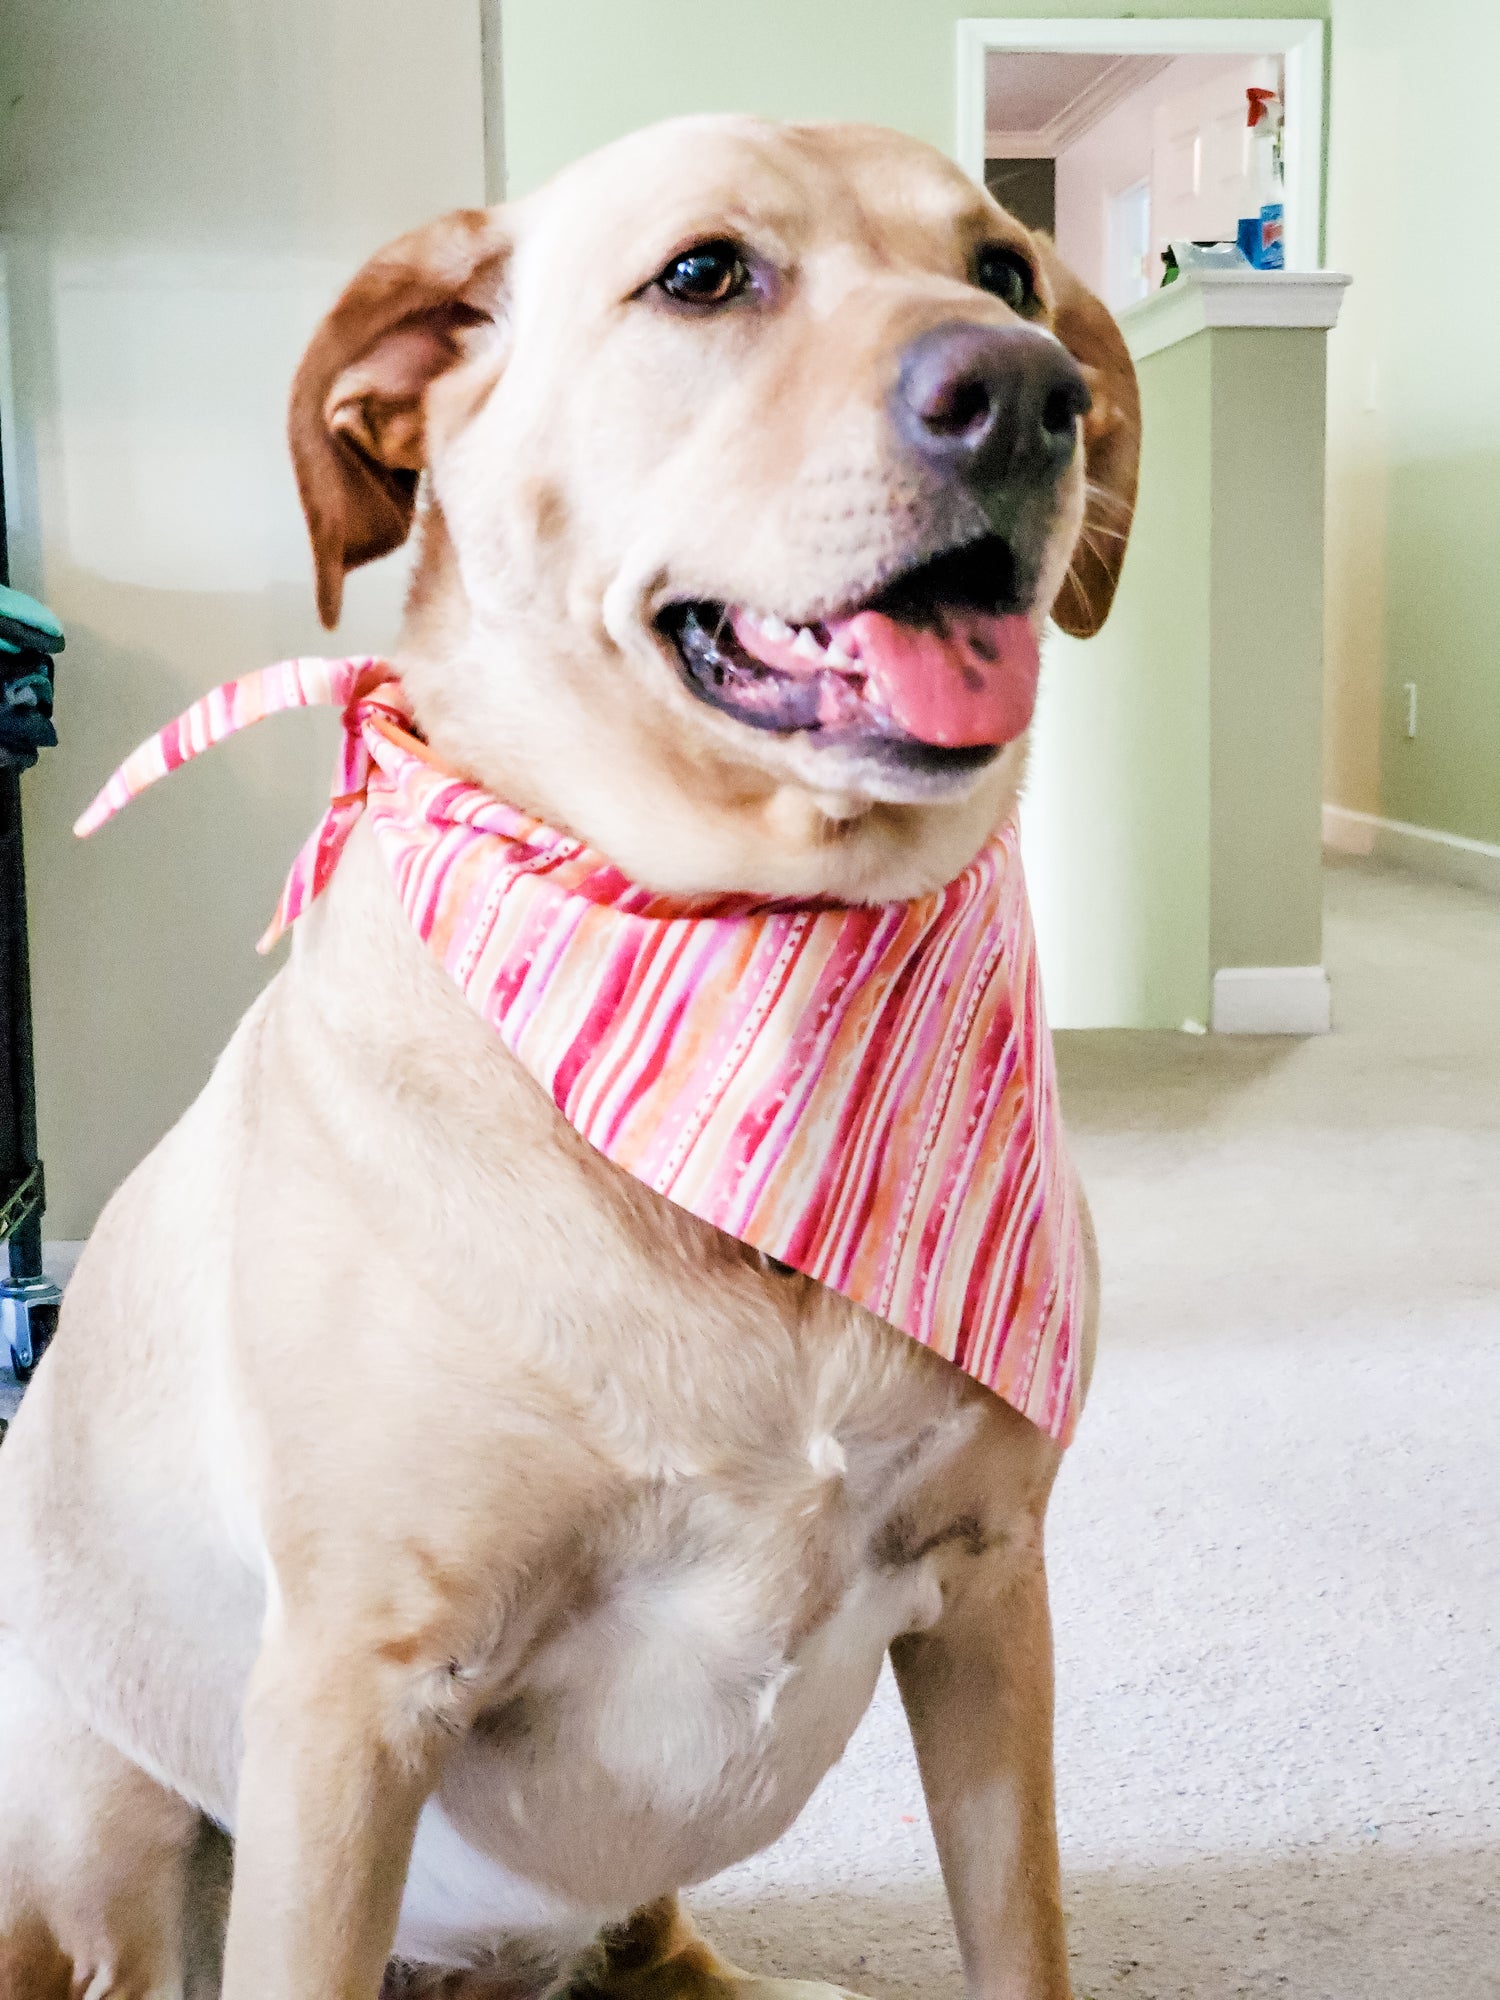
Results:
1116 818
1414 513
1266 892
183 191
1173 823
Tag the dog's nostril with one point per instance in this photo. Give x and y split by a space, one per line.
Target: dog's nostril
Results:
1059 412
957 407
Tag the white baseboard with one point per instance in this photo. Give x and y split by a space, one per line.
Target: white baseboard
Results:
1271 1000
1475 864
1349 832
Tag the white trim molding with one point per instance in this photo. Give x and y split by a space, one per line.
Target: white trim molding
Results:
1200 299
1271 1000
1080 114
1451 857
1298 43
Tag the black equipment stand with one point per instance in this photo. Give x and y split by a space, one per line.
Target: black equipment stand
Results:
29 637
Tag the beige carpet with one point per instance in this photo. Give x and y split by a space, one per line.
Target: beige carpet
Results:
1275 1548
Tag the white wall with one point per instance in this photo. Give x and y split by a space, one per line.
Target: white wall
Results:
1115 154
183 189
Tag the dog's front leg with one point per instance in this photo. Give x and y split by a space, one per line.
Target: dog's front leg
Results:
336 1766
978 1695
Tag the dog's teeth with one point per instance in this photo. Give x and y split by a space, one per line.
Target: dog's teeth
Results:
837 657
805 646
775 628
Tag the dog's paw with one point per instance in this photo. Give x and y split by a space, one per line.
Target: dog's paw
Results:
747 1987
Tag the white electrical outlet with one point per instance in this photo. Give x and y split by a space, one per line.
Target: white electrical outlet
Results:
1410 688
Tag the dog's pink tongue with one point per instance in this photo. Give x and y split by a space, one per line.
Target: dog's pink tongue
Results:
972 682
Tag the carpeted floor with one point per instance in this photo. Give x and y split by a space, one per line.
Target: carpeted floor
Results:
1275 1547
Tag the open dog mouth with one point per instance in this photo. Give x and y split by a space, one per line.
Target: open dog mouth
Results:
937 669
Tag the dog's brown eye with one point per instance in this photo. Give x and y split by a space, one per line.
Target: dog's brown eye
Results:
1007 274
710 274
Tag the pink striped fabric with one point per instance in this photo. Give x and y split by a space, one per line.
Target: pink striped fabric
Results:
866 1093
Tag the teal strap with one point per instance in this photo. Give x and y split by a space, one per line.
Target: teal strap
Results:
28 625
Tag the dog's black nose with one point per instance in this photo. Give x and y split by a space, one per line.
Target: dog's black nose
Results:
990 405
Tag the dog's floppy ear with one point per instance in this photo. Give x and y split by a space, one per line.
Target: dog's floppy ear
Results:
356 423
1111 441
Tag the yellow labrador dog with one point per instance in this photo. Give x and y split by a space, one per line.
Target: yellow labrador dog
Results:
488 1546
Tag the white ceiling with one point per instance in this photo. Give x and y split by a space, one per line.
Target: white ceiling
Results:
1043 101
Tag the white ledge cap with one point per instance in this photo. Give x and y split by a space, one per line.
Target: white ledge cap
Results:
1231 298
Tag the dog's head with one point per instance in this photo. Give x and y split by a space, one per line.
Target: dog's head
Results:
756 457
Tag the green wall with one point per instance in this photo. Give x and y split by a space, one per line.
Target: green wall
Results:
1171 817
578 72
1415 406
1117 813
1265 650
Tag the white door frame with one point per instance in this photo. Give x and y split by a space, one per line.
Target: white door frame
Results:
1298 43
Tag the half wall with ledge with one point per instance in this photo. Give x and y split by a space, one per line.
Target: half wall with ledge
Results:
1173 823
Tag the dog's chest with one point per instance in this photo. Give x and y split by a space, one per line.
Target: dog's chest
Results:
783 1491
735 1627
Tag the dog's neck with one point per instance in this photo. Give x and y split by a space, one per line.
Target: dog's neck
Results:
670 807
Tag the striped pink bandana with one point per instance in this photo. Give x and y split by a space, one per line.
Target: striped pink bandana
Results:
866 1093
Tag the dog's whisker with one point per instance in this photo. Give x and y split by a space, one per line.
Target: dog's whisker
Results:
1103 497
1082 589
1100 555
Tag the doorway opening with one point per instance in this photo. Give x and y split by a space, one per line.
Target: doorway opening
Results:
1121 137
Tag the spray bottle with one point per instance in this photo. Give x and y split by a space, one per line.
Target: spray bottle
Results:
1266 118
